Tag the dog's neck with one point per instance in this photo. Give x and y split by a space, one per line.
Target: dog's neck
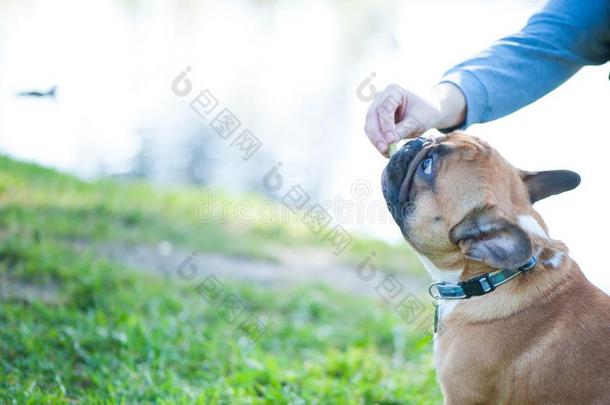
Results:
545 280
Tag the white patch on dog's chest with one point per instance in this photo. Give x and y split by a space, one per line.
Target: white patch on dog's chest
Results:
450 276
446 307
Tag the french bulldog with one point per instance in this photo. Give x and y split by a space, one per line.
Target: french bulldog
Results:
519 322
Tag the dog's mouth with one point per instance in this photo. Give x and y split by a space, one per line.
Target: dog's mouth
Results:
399 174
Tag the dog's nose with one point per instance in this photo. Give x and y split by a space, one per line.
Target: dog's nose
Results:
399 162
415 145
410 149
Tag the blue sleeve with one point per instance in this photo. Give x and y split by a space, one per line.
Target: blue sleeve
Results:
519 69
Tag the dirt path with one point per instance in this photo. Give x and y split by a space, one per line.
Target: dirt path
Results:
295 267
11 289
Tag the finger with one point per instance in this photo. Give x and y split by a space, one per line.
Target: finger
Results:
387 115
373 131
409 128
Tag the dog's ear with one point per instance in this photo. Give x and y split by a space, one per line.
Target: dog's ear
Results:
541 185
486 236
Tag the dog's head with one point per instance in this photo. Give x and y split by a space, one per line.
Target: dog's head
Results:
456 199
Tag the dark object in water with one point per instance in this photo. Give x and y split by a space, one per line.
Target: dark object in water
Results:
37 93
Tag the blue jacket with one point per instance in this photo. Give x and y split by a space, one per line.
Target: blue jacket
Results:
519 69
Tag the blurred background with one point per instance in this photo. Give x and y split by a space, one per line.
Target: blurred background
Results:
290 71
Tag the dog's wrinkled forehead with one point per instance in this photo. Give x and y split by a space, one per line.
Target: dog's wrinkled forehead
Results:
469 146
456 142
456 147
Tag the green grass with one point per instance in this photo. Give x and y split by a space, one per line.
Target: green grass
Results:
103 333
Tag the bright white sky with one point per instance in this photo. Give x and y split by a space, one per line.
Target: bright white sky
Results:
293 82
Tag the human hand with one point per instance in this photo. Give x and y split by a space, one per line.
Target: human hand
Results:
397 113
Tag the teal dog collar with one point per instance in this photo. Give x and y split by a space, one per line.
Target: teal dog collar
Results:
479 285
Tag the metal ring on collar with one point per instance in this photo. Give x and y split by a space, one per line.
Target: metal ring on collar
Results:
438 296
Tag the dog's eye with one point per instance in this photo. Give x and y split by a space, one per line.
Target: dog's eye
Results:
426 166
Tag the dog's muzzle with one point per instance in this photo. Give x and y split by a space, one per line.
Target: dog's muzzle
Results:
398 175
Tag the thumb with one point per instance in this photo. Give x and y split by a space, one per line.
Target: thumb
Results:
410 127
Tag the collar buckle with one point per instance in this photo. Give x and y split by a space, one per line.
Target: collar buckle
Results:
479 285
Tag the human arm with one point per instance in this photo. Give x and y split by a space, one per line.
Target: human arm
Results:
515 71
